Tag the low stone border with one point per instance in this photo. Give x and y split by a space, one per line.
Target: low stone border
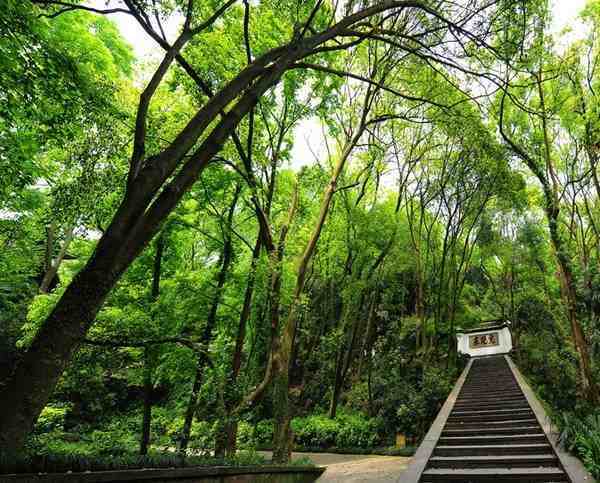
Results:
570 464
417 466
215 474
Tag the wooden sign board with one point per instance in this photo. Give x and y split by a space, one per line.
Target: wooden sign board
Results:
483 340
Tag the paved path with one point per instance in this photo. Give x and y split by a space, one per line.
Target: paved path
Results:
342 468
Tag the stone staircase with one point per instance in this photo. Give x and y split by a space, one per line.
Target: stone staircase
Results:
492 434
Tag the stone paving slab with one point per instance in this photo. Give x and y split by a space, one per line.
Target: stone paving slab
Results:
342 468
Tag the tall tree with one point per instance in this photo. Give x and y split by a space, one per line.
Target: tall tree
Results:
538 155
157 180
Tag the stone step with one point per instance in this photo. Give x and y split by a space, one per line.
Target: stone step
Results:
503 461
497 475
492 430
491 400
491 376
509 423
495 398
520 414
489 384
492 434
488 378
471 412
504 403
495 394
498 405
491 439
492 449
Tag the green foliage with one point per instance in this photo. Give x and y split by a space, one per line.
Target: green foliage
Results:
581 434
61 462
64 77
52 419
263 432
420 404
345 431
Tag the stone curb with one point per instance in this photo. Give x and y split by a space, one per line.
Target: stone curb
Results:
159 475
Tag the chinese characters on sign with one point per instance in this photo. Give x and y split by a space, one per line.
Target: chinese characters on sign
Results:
483 340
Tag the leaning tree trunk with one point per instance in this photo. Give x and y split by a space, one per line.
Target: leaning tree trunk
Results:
26 392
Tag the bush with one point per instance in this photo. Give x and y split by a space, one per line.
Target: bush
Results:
263 433
315 431
112 442
345 431
202 436
421 404
60 463
52 418
581 435
406 451
245 435
357 431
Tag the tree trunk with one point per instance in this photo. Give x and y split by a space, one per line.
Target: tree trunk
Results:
148 384
590 389
282 428
366 344
283 436
337 385
54 264
26 392
138 219
245 313
207 335
421 335
230 428
552 209
186 429
147 412
343 363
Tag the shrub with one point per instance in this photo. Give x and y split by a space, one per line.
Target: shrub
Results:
315 431
246 436
55 463
419 405
263 432
392 451
356 431
581 435
52 418
202 436
111 442
345 431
